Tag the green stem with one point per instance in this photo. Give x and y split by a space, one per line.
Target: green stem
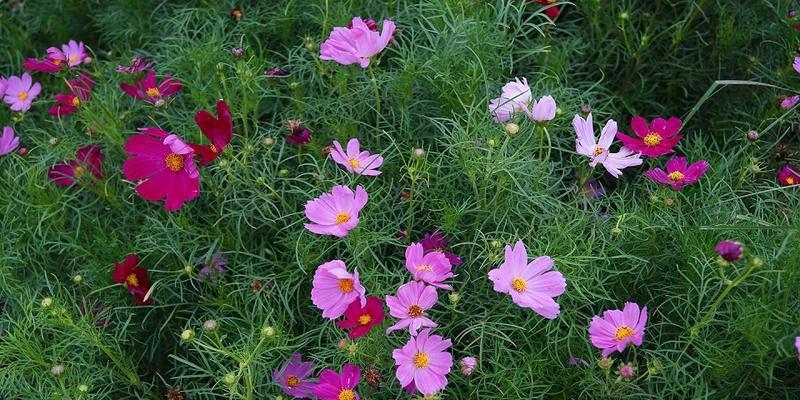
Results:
732 284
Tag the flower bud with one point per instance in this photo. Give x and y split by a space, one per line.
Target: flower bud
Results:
237 51
77 279
624 15
454 297
47 302
752 136
605 363
419 153
669 202
23 151
188 268
57 369
53 141
283 172
187 335
236 14
729 251
586 108
160 103
512 128
757 262
210 325
229 378
268 331
467 365
268 141
491 143
616 231
626 371
309 43
83 388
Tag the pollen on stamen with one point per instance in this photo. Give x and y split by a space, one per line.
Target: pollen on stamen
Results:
414 311
153 92
22 95
519 284
652 139
424 267
675 176
132 280
342 217
421 360
292 381
623 332
598 151
174 162
346 285
76 101
364 319
354 163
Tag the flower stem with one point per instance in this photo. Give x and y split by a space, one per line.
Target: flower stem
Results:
695 330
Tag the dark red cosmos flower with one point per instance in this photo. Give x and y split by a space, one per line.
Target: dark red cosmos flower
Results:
436 242
789 175
87 159
275 73
361 320
150 90
78 91
552 12
54 62
299 134
218 130
134 277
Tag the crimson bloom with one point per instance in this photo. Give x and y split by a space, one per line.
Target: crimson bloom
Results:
361 319
678 174
298 134
148 89
78 91
54 61
653 140
218 130
88 159
789 175
165 166
134 277
553 11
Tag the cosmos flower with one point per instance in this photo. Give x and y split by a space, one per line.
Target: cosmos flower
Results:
20 92
410 305
357 44
678 174
531 285
796 64
274 73
294 377
356 161
134 277
213 267
515 98
54 62
599 151
78 91
88 160
334 289
437 242
218 131
137 64
424 362
789 102
359 320
335 213
9 141
432 268
74 53
543 110
655 139
617 328
730 251
298 134
149 90
333 386
797 345
789 175
552 12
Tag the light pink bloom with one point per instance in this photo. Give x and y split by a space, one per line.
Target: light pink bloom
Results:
789 102
3 86
424 362
9 141
333 289
356 161
432 268
515 97
529 284
356 45
599 151
335 213
20 92
543 110
797 345
74 53
796 64
410 304
617 328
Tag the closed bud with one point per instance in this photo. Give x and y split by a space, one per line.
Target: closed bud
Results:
454 297
512 128
53 141
752 136
229 378
187 335
491 143
757 262
47 302
419 153
188 268
83 388
77 279
283 172
268 141
605 363
210 325
616 231
160 103
268 331
57 369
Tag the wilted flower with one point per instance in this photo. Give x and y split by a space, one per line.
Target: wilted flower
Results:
372 376
298 133
134 277
137 64
236 13
789 102
274 73
437 242
577 361
213 267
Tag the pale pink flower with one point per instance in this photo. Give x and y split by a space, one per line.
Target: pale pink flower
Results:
410 305
74 53
3 86
8 142
432 268
333 289
599 151
20 92
356 161
796 64
356 45
468 365
515 97
543 110
789 102
424 363
335 213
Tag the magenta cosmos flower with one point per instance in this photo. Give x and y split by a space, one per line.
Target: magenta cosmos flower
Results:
678 174
9 141
333 386
652 140
730 251
530 285
436 242
356 161
165 166
20 92
148 89
789 175
356 45
335 213
294 377
88 159
334 289
54 61
78 91
432 268
360 320
424 362
617 328
599 151
789 102
409 306
137 64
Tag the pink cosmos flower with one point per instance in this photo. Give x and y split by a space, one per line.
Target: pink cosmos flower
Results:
654 140
789 175
54 62
294 377
677 174
360 320
138 64
20 92
410 305
336 213
515 97
356 45
543 110
150 90
424 362
88 159
431 268
797 345
599 151
796 64
437 242
729 250
530 285
334 289
789 102
9 141
333 386
79 90
617 328
74 53
3 86
356 161
165 166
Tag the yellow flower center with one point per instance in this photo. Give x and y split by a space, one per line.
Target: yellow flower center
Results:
519 284
76 101
623 332
342 217
153 92
78 170
354 163
790 180
346 394
598 151
56 62
551 1
414 311
73 59
675 176
292 381
364 319
424 267
22 95
213 149
421 360
132 280
346 285
652 139
174 162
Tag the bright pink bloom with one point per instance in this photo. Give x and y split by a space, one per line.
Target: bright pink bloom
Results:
54 62
410 305
134 277
356 45
335 213
618 328
543 110
138 64
150 90
79 90
797 345
729 250
356 161
165 165
20 92
424 362
789 102
677 174
599 151
361 319
515 98
74 53
796 64
789 175
294 377
530 285
88 159
652 140
218 130
9 141
333 386
431 268
334 289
